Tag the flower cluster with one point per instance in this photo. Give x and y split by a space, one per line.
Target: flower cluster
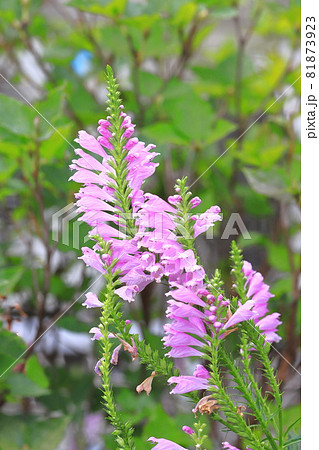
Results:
141 238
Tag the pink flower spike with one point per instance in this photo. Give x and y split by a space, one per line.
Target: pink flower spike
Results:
165 444
92 301
188 430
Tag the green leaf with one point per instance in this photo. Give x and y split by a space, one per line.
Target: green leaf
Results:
163 133
21 386
18 433
185 14
110 8
267 182
190 114
35 372
12 347
278 256
221 129
160 424
9 277
16 116
149 83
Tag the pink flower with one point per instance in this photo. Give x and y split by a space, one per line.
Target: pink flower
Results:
259 293
174 199
186 383
201 372
185 295
92 259
228 446
115 355
268 325
204 221
165 444
195 202
97 366
244 312
92 301
127 292
97 333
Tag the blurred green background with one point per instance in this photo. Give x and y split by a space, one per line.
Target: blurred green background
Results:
194 75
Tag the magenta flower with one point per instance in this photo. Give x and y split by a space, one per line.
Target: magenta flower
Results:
165 444
195 202
201 372
268 325
184 384
244 312
228 446
258 292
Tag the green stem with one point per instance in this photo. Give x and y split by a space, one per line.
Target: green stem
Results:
234 421
247 393
123 431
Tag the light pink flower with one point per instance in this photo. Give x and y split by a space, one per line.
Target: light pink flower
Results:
165 444
97 333
92 301
204 221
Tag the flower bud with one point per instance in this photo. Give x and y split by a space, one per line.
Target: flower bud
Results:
188 430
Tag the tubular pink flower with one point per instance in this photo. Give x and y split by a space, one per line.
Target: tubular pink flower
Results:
92 301
258 292
268 325
185 295
186 384
97 333
165 444
228 446
204 221
174 199
92 259
115 355
201 372
195 202
244 312
127 292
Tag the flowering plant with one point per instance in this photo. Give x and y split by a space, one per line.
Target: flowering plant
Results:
139 238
